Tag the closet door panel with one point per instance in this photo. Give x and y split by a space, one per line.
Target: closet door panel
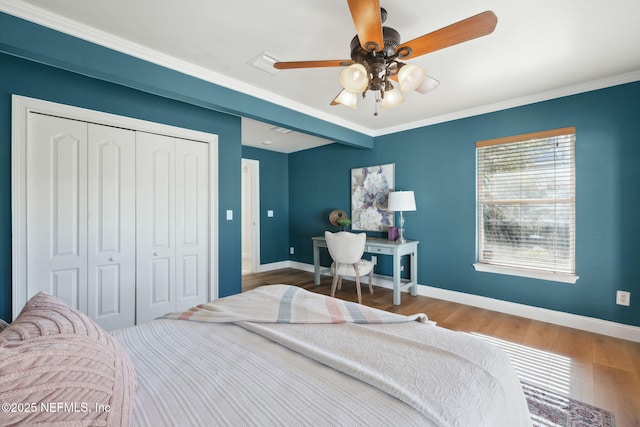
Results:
57 208
192 223
66 285
111 226
155 225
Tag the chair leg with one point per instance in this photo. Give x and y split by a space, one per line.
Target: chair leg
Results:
355 267
334 283
370 282
358 290
340 283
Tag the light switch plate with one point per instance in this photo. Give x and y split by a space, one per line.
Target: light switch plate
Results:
229 215
270 213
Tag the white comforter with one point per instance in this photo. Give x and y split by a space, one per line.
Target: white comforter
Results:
250 373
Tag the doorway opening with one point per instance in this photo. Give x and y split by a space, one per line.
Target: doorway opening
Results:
250 216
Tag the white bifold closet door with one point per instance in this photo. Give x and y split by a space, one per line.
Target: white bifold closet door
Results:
81 216
172 186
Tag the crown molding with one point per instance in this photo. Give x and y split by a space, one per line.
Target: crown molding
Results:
85 32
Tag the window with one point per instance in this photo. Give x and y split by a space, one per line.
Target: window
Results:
526 205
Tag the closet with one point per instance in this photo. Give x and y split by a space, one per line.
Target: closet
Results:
117 220
172 224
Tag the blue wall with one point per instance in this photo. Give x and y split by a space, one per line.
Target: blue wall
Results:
274 195
438 163
30 79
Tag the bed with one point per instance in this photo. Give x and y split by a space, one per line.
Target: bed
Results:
280 355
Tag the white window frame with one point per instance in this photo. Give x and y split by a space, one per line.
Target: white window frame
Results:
544 274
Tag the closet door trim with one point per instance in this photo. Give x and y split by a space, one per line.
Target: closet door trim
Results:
21 108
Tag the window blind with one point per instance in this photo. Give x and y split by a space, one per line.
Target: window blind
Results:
526 201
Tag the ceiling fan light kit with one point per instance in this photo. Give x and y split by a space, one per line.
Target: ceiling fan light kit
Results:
411 77
350 99
354 78
428 84
391 98
376 50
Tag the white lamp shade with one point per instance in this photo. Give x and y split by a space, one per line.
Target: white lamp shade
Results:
428 84
347 98
391 99
354 78
401 201
410 77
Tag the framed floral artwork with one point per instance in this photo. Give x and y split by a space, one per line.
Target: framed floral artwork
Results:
370 187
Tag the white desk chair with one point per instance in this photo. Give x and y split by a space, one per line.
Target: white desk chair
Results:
346 249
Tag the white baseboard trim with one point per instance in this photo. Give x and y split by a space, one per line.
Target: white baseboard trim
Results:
589 324
263 268
301 266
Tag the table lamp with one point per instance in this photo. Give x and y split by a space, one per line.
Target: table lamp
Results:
401 201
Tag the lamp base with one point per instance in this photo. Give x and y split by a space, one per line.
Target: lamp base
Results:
401 238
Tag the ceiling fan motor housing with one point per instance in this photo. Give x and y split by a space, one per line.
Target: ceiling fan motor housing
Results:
391 40
375 62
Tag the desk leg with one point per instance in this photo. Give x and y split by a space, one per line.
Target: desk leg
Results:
414 272
316 264
396 278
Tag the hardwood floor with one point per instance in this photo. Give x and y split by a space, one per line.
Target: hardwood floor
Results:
598 370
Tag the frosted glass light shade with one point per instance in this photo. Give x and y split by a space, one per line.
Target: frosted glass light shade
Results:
411 77
354 78
391 99
347 98
427 85
401 201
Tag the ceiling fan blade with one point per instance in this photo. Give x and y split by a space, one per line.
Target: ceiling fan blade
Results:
313 64
462 31
368 22
335 102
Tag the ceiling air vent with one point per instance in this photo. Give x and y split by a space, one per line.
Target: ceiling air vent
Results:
281 130
264 61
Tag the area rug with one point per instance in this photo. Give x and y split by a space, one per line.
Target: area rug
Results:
551 409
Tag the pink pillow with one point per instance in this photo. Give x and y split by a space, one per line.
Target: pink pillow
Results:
59 366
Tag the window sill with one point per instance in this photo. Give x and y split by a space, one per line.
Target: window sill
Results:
522 272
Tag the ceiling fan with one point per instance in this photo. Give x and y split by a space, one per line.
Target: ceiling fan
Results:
376 51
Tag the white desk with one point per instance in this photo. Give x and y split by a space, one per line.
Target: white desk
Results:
384 247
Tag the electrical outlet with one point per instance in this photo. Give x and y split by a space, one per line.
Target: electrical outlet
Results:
292 250
374 260
623 298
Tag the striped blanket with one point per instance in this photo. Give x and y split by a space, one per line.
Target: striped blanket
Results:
288 304
452 379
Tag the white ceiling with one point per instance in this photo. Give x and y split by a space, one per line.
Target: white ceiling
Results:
539 50
270 137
